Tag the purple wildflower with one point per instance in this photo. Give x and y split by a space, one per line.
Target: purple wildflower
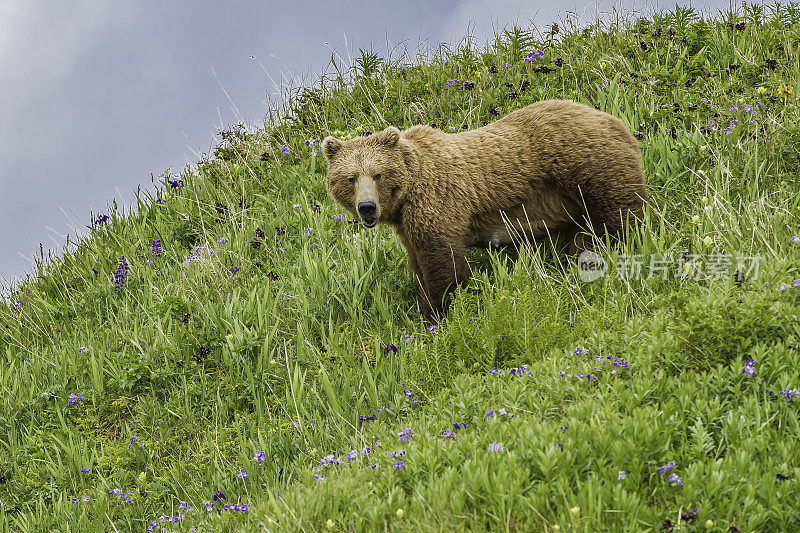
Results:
156 249
789 393
82 349
450 83
690 515
285 149
234 269
352 455
533 56
400 465
121 275
241 474
496 446
619 361
673 478
73 398
749 367
796 283
132 440
578 351
406 434
621 474
391 348
260 456
218 495
795 238
86 469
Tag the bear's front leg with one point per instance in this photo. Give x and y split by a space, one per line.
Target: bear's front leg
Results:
419 278
440 267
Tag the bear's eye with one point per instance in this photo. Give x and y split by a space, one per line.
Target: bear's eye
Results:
351 179
376 177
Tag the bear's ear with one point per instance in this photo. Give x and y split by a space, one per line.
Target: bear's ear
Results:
389 136
330 146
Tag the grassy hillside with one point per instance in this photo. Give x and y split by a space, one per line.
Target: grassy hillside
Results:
238 355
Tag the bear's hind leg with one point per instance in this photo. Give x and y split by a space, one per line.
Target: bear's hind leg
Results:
578 238
609 211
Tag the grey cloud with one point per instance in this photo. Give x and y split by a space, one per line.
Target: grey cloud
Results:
97 95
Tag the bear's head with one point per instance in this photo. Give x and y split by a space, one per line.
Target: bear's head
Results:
370 176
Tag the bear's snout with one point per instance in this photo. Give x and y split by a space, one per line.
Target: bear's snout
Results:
367 209
368 212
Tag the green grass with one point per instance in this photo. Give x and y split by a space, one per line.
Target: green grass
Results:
190 369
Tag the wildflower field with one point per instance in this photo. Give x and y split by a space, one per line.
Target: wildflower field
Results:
235 354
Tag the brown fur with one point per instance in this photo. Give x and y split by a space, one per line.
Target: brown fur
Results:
552 166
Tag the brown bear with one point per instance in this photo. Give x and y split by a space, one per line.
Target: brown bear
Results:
554 165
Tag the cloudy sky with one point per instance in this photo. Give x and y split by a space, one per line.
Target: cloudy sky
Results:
95 95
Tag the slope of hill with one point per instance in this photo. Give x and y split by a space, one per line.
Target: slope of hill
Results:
237 354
